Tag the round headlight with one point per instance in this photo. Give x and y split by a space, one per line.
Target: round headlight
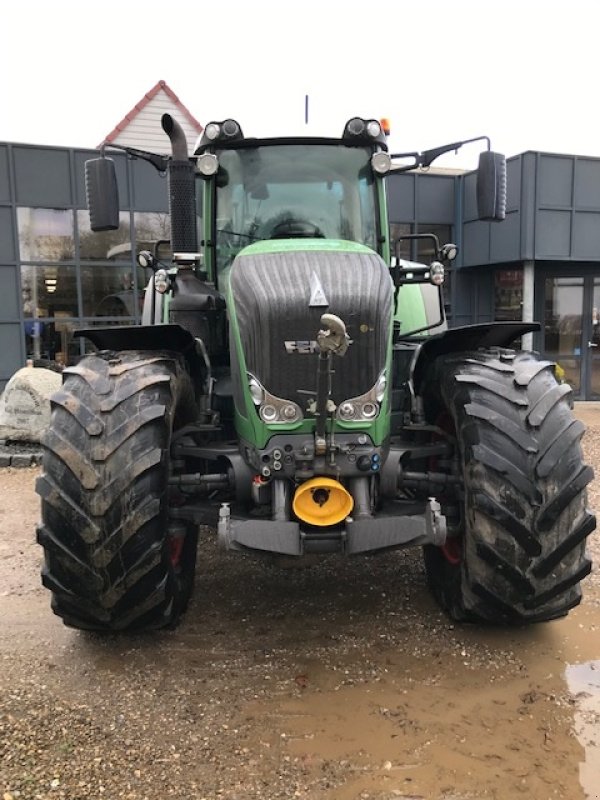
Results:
208 164
436 273
356 126
373 128
230 128
449 251
347 410
268 413
256 391
290 412
145 259
212 131
161 281
381 163
369 410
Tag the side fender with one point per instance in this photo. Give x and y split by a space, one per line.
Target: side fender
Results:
172 338
465 338
139 337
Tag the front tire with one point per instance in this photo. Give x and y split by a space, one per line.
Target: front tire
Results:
520 553
109 560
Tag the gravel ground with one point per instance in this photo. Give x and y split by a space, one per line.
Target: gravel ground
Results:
337 681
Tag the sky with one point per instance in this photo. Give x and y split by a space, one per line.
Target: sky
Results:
524 73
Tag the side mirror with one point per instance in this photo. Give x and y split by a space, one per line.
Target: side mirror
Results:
102 194
491 186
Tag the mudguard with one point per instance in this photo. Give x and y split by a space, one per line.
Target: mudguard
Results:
465 338
140 337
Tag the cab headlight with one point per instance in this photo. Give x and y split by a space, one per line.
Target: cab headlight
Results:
373 128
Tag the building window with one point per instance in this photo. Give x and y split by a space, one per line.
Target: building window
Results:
109 291
421 250
400 248
46 234
150 229
424 248
51 340
49 291
508 295
104 245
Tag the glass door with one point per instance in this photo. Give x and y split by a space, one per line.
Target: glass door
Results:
593 342
563 326
572 330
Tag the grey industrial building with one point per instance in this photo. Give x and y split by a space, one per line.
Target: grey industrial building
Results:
541 263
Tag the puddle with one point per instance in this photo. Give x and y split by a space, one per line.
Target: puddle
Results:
584 684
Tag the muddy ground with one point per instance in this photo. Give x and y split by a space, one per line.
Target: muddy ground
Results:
335 682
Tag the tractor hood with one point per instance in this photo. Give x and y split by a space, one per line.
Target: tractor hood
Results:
279 291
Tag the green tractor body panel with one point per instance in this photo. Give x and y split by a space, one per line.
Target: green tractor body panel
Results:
296 352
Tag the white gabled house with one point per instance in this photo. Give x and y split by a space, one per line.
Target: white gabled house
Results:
141 127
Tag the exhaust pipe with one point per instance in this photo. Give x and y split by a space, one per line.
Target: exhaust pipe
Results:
175 133
182 192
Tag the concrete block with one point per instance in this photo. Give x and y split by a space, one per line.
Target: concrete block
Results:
21 460
25 404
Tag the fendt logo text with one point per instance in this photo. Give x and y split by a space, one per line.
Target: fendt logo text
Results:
301 347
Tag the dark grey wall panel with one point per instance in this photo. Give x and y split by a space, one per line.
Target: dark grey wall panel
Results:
483 280
513 184
505 238
12 349
476 243
555 181
586 235
149 188
42 177
9 281
527 205
463 296
436 199
470 196
7 244
553 234
401 197
120 168
4 181
587 183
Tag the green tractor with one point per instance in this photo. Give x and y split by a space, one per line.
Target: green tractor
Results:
294 385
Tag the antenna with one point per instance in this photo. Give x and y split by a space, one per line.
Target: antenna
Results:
306 109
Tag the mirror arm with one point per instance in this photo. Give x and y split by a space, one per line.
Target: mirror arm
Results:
426 158
158 162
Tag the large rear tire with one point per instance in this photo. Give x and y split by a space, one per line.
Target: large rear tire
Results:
520 553
109 560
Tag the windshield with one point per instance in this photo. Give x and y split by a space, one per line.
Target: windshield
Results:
294 191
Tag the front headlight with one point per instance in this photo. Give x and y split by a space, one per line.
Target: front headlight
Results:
380 387
271 409
161 281
366 407
256 391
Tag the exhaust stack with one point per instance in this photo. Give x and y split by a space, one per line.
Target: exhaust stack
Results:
182 194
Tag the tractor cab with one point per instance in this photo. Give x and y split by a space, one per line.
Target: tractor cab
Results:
296 188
